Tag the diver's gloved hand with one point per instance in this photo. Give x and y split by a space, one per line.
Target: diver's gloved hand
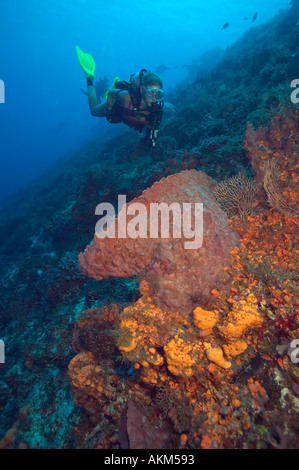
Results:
86 63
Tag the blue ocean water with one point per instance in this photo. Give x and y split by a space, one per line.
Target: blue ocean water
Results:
45 116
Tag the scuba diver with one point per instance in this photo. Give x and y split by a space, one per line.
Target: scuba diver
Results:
137 103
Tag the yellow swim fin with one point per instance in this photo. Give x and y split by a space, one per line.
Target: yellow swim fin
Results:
86 63
117 79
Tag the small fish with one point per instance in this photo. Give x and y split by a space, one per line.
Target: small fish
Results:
161 69
254 17
226 25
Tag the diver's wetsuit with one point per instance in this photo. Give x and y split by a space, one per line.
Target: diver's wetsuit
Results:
127 115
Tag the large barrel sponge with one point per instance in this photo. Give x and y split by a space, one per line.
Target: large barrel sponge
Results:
179 278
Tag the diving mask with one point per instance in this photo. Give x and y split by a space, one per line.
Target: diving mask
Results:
154 93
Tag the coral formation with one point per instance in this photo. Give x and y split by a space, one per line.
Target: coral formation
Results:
244 316
157 341
180 356
92 332
143 432
176 275
236 195
281 200
205 320
273 155
216 355
213 372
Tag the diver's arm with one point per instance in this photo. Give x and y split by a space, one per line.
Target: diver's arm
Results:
92 97
102 110
121 96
